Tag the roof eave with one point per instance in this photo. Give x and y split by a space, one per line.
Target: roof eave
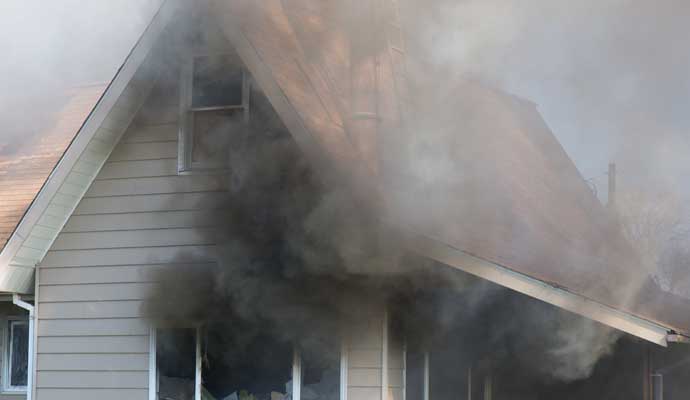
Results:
559 297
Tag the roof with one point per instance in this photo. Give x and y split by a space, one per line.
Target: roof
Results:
473 176
27 161
493 193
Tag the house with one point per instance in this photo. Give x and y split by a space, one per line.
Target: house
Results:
129 180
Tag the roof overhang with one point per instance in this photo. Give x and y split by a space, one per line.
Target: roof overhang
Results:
559 297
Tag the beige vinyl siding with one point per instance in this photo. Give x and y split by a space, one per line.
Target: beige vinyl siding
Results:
365 355
364 358
136 219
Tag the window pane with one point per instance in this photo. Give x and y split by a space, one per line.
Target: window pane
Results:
239 363
217 81
213 131
19 334
321 370
176 361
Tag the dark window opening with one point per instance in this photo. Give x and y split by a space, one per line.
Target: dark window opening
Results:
176 361
216 81
18 353
238 365
321 370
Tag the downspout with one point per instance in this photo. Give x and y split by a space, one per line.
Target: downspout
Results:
17 301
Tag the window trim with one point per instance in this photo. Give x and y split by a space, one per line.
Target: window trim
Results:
7 322
185 164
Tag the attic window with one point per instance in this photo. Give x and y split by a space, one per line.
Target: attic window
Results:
214 111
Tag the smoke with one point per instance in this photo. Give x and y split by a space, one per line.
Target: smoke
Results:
609 76
298 259
51 47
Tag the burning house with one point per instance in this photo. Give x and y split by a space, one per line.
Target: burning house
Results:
267 202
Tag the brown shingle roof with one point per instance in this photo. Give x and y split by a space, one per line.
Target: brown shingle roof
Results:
26 163
480 171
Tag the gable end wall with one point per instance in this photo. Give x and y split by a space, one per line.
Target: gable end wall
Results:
136 219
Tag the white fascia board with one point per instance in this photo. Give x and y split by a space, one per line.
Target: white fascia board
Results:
537 289
87 131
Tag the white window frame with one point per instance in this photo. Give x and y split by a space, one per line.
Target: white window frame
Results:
185 164
8 322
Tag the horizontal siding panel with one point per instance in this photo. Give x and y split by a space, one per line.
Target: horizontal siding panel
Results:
364 359
144 220
138 169
155 202
92 394
154 133
96 292
91 309
138 238
92 327
363 393
131 256
93 379
93 344
363 377
144 151
90 275
93 362
156 185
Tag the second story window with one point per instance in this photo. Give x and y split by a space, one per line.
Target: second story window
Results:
214 111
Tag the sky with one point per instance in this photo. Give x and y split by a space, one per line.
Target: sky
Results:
610 77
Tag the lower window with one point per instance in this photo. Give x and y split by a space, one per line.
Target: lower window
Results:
17 355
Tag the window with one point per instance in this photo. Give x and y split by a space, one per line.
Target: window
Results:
175 362
16 356
208 363
214 111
